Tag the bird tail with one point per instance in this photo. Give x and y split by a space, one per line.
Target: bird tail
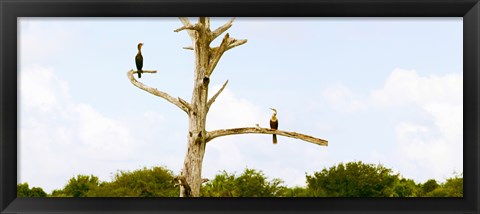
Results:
274 139
139 74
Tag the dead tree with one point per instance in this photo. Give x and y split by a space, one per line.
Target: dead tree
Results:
206 59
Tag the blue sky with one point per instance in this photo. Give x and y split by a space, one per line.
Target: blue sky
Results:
380 90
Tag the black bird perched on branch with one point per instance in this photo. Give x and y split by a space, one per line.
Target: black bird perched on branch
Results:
274 124
139 60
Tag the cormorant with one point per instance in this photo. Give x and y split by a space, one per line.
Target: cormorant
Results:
139 60
274 124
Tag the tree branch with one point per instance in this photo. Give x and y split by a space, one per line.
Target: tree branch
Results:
217 32
257 130
184 106
236 43
145 71
188 27
210 102
232 43
185 103
202 20
186 23
183 182
218 54
207 23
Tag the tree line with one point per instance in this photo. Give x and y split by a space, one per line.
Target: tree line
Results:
352 179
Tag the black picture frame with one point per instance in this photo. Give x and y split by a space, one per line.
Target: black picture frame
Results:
10 10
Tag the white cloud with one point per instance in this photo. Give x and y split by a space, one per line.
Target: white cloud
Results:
430 147
39 92
424 155
406 87
101 138
448 117
227 155
229 111
432 151
60 138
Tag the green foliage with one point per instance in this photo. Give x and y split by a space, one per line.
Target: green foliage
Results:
298 192
453 187
250 183
429 186
222 186
154 182
354 179
78 186
24 191
405 188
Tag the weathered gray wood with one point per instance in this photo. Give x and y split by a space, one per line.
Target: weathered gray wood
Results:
212 99
235 43
184 106
217 32
217 54
188 27
192 165
186 22
258 130
206 59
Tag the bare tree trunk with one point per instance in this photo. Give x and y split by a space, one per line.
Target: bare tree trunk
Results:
192 166
206 59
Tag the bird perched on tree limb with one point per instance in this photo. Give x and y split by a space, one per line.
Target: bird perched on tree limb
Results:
274 124
139 60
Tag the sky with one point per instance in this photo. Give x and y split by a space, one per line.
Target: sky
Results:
381 90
